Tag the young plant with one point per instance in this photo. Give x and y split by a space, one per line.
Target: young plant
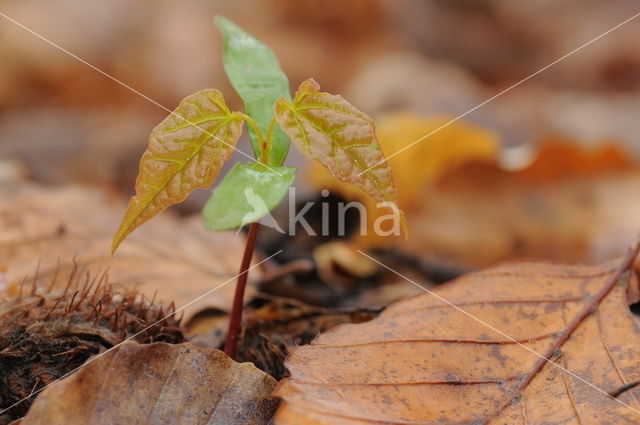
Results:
187 150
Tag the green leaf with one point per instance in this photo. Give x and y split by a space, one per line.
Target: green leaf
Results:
327 128
247 194
255 73
185 152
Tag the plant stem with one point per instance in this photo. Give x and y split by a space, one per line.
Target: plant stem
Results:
235 320
269 136
262 142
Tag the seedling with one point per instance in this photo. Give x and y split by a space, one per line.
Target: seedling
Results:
187 150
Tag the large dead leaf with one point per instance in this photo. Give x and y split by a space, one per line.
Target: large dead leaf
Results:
423 361
177 258
186 151
158 384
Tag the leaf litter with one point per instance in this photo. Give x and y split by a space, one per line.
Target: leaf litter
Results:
472 359
274 328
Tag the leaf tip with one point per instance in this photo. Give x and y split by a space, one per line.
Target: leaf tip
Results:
280 105
221 22
310 85
118 238
228 28
115 244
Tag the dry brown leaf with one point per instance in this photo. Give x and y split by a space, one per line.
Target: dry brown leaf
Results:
340 265
571 203
423 361
158 384
178 258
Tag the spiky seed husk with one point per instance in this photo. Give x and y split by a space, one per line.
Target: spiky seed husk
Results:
46 334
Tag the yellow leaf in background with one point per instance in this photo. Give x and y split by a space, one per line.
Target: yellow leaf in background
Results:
419 166
328 129
186 151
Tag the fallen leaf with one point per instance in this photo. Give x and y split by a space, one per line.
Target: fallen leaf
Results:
208 328
178 258
186 151
158 384
423 361
340 265
561 158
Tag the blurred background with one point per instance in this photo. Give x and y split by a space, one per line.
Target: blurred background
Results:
547 169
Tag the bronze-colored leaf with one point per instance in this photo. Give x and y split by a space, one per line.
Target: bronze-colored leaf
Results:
423 361
447 148
185 152
158 383
329 129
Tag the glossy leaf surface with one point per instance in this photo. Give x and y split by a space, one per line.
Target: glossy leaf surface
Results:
247 194
256 75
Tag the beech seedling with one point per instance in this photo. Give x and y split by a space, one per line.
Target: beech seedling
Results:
187 150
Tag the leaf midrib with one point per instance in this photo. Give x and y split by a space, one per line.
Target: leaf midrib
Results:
356 161
160 188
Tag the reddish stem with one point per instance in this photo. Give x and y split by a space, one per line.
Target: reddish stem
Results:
235 320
